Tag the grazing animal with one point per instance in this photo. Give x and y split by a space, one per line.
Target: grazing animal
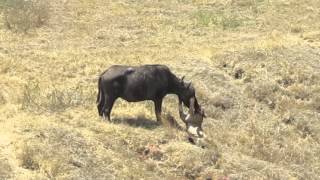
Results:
140 83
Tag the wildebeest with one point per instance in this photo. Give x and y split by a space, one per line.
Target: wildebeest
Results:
139 83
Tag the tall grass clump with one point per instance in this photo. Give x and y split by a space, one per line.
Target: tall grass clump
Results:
23 15
54 99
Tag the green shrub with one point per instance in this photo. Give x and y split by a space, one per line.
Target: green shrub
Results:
206 18
220 19
230 22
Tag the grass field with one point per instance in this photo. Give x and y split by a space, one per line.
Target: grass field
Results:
255 65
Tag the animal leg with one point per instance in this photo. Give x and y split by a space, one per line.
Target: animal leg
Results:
100 104
100 98
158 106
108 104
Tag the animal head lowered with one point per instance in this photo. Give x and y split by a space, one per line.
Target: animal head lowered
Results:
193 119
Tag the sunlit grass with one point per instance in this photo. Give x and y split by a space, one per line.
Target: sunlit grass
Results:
254 64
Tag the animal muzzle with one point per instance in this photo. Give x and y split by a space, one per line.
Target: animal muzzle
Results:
195 131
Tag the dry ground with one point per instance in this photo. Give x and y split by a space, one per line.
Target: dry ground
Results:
255 65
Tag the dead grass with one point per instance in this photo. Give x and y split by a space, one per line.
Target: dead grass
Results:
5 169
54 99
254 63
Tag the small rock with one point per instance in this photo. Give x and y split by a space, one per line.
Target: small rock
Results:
76 163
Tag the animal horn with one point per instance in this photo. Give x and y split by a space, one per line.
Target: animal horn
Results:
182 78
203 113
189 84
191 109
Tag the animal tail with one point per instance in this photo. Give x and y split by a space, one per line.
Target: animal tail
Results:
99 97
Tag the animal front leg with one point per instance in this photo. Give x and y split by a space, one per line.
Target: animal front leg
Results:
158 106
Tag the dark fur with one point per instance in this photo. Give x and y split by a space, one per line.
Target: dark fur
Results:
139 83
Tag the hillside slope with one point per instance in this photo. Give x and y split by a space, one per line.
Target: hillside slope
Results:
255 65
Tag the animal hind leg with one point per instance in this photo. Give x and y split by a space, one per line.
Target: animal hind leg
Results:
100 98
100 104
106 110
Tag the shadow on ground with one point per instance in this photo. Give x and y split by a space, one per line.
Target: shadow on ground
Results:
137 122
146 123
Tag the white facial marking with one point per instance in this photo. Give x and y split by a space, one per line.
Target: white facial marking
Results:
188 118
193 130
200 133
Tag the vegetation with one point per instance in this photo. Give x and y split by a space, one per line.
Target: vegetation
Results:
254 63
23 15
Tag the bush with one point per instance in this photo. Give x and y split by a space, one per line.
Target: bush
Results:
30 158
23 15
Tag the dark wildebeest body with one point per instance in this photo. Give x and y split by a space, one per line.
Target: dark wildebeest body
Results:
139 83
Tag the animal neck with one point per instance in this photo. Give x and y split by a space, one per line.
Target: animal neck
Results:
196 106
175 86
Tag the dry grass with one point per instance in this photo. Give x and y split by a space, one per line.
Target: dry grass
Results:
254 63
22 15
